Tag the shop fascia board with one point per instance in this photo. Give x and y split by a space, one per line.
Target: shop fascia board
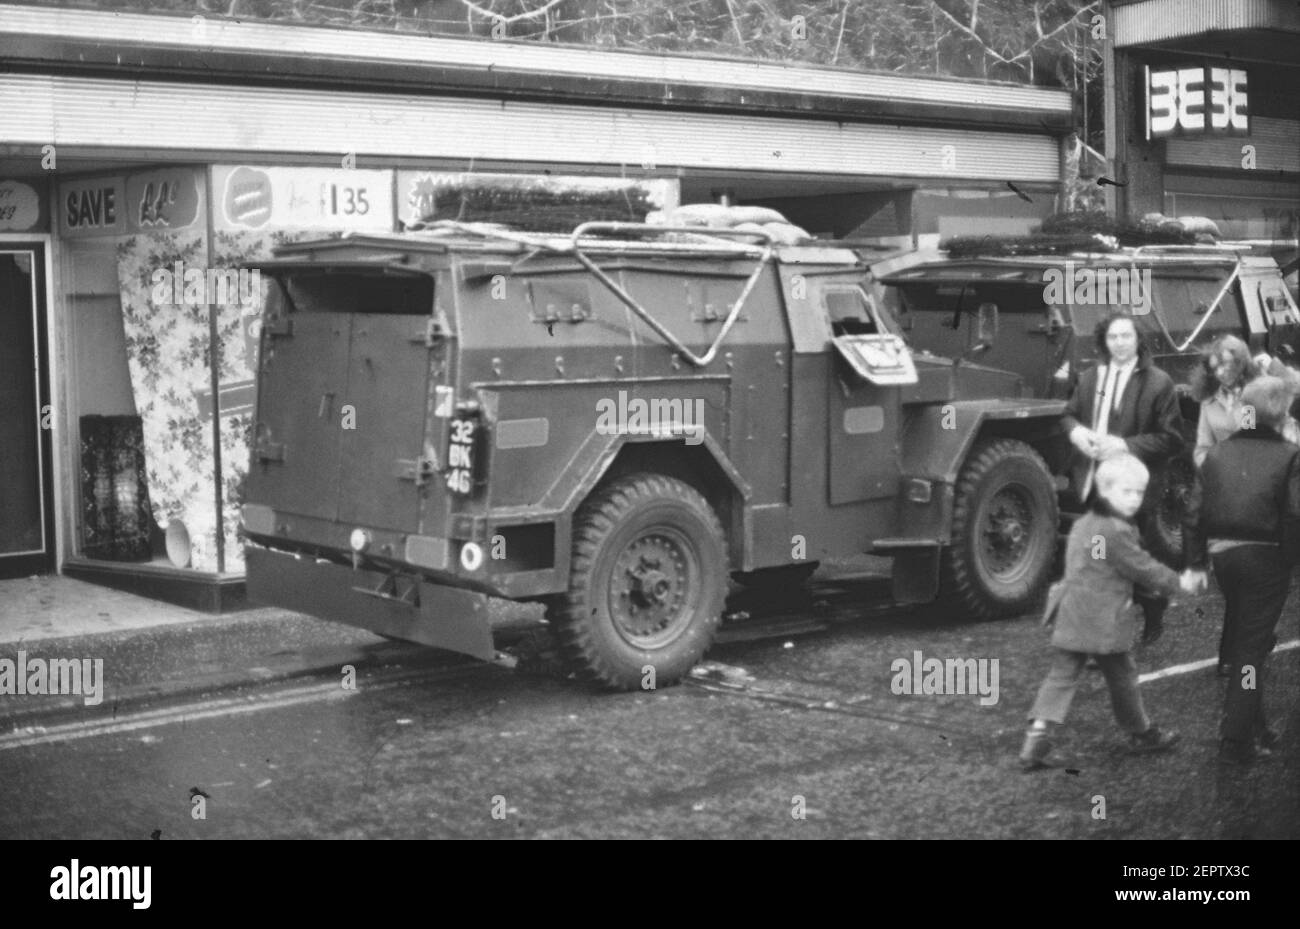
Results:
1148 22
54 56
267 123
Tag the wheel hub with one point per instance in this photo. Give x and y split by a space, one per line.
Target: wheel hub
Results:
650 588
1006 530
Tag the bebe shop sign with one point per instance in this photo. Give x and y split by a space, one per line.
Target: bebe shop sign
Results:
1197 99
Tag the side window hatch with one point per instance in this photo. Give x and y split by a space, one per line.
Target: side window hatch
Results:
882 360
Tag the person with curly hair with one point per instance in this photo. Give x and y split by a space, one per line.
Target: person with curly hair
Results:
1226 367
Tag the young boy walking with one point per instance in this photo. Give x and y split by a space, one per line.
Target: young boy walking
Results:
1089 610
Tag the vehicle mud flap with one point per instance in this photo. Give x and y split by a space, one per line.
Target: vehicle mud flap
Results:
456 620
916 574
447 617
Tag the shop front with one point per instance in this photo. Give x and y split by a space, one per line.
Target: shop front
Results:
1204 115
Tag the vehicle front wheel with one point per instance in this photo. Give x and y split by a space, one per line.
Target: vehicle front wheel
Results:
1003 531
647 583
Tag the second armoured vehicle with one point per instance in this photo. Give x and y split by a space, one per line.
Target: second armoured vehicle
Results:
1049 300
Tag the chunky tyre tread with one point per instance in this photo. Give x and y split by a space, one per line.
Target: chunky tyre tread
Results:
959 586
1167 548
570 612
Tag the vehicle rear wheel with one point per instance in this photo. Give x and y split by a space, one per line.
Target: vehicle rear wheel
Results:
647 583
1003 531
1168 492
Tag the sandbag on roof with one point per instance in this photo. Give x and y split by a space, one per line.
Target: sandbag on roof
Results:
745 218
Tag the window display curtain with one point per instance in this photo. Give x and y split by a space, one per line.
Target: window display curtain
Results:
167 354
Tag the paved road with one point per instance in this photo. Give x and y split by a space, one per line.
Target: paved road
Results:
798 736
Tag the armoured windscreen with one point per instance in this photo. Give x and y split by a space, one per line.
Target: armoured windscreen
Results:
354 292
1179 299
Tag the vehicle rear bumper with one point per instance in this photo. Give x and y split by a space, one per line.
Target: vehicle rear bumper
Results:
433 614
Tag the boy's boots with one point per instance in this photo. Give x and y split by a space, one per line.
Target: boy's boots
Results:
1033 754
1153 615
1154 739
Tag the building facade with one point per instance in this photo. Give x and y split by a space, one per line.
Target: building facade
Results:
143 157
1202 116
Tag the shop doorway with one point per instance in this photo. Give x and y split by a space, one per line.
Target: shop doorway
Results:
26 489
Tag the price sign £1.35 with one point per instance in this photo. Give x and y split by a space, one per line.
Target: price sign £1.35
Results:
464 454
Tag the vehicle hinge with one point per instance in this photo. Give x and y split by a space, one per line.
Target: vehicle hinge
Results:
278 323
431 332
266 450
419 470
394 588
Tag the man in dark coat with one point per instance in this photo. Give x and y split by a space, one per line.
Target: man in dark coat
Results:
1125 404
1243 515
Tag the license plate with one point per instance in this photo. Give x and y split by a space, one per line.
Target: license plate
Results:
464 454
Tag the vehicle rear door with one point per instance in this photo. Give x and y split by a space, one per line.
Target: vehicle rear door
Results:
342 395
303 373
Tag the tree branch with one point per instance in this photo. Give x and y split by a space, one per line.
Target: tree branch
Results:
497 17
844 18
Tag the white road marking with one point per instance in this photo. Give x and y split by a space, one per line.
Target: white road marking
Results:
150 719
1202 664
206 709
320 693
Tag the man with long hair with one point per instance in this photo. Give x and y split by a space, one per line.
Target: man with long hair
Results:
1124 405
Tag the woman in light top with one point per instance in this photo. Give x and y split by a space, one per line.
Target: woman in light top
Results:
1226 367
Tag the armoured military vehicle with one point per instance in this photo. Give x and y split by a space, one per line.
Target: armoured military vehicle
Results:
613 422
1049 301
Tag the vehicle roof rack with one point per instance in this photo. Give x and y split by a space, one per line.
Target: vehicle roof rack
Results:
596 237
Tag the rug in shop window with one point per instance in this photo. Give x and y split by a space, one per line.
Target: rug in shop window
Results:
114 491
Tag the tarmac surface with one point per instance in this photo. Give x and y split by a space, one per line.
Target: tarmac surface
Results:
798 735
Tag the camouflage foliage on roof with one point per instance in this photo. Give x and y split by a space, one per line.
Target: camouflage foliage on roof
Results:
1086 231
532 204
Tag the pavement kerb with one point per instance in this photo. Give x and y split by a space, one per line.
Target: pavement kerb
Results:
18 711
128 699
